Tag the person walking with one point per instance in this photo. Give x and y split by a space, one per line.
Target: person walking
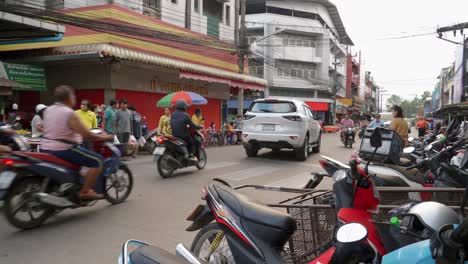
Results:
87 116
37 127
109 117
422 127
164 126
399 124
123 122
98 112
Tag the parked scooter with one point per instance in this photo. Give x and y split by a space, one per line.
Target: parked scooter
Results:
172 154
151 140
34 186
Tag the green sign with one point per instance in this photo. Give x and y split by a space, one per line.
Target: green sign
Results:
30 75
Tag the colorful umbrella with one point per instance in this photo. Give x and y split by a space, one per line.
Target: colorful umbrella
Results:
191 98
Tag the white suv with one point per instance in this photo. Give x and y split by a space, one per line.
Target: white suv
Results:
278 124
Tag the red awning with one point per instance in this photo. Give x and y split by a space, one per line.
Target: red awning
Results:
230 82
318 106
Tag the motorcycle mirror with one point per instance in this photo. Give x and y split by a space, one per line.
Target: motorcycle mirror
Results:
428 147
410 139
408 150
350 233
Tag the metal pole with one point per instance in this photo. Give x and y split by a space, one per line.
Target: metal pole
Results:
335 88
241 51
236 23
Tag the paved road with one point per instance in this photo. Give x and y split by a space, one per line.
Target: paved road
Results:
156 210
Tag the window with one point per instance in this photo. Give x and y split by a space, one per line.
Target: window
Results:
298 40
273 107
228 15
196 6
299 70
279 72
174 1
293 73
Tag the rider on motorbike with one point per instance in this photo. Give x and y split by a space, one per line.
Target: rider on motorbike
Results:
64 132
346 123
181 124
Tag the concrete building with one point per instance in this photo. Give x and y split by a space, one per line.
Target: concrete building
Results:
215 18
298 47
111 52
371 95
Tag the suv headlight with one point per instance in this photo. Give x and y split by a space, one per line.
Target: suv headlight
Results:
339 175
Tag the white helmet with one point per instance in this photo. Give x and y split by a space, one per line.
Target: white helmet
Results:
40 107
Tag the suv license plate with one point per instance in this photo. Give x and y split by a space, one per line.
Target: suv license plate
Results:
268 127
158 151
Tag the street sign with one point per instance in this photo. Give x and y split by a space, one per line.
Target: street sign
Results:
31 75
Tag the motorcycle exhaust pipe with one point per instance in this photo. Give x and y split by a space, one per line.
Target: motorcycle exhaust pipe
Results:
174 162
183 252
51 200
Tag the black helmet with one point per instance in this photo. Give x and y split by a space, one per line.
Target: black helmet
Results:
181 104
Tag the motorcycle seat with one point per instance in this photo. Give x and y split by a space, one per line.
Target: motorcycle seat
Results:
413 175
147 254
50 158
254 211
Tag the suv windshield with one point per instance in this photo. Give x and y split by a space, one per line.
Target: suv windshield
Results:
273 107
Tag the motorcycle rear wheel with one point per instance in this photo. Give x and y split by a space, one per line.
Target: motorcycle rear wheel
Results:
37 213
164 170
211 246
122 187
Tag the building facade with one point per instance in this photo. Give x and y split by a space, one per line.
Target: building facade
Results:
299 47
214 18
111 52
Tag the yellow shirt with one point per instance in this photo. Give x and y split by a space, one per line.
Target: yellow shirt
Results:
88 118
197 120
164 127
400 126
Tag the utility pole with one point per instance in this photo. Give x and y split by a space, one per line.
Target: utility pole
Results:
236 23
241 52
335 86
188 14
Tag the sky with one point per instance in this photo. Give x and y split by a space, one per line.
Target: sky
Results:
406 66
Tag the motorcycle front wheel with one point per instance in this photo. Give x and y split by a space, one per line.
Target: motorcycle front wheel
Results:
211 246
164 169
202 159
119 185
21 209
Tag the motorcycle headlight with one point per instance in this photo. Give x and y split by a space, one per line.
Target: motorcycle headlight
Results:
339 175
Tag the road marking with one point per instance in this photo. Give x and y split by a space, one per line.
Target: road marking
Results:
248 173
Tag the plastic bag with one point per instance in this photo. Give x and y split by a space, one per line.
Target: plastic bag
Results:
132 139
141 141
116 140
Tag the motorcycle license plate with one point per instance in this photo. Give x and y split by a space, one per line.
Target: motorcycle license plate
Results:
154 138
6 178
158 151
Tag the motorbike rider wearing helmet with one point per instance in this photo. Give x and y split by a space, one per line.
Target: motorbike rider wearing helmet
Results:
36 124
181 124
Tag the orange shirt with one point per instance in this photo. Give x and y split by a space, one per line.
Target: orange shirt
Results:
421 124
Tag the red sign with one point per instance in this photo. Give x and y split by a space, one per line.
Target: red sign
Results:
318 106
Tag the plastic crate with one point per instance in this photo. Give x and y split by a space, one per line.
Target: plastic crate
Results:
392 146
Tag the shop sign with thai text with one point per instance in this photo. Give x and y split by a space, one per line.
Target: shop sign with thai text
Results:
27 74
170 87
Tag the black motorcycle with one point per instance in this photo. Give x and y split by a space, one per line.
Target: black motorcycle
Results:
171 154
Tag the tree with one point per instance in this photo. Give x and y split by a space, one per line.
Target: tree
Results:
393 100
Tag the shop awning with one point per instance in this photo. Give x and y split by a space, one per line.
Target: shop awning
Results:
233 80
318 106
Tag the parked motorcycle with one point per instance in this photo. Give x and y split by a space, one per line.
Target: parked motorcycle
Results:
171 154
35 186
148 254
348 137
